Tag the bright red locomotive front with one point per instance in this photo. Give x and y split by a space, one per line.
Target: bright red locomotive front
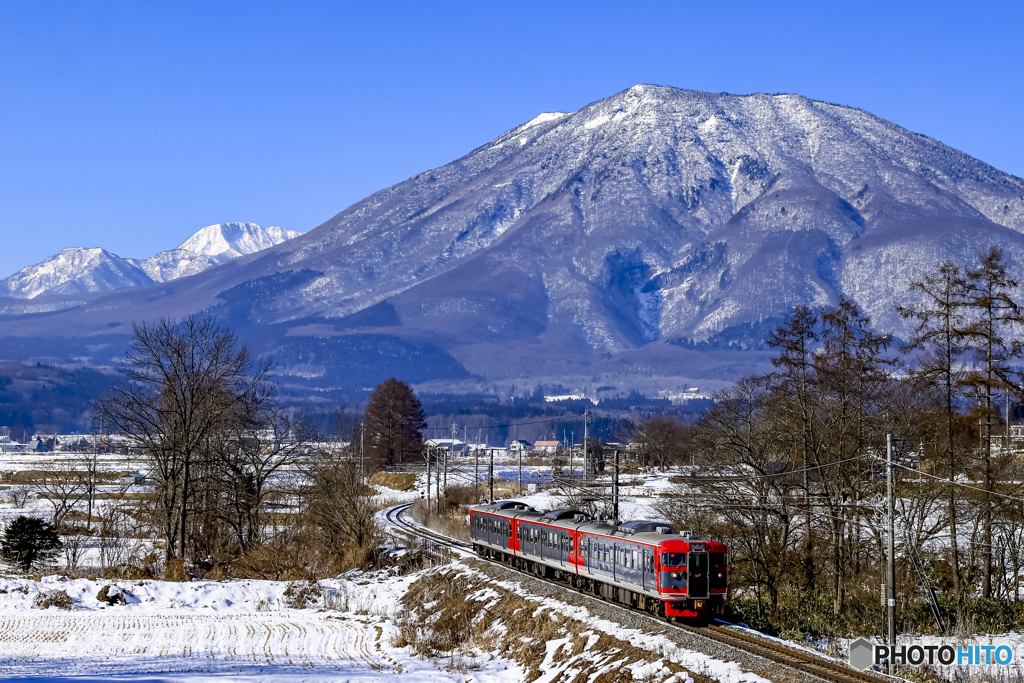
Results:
647 565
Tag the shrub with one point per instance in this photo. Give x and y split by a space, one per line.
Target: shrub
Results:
176 571
47 599
399 481
112 595
302 594
29 542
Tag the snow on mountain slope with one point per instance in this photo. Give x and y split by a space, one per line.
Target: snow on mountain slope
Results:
657 213
231 240
77 270
639 224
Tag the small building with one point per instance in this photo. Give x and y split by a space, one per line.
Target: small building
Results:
546 446
453 445
133 479
519 447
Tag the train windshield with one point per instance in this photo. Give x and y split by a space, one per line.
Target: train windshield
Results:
673 559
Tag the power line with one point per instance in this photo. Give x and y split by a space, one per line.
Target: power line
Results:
563 418
966 486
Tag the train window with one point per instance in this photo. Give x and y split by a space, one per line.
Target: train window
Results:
719 570
673 559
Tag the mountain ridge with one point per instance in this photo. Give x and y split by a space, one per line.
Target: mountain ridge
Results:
78 270
582 243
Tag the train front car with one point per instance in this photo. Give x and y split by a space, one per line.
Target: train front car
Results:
693 577
642 564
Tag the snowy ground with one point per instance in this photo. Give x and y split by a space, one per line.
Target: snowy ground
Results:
246 630
208 630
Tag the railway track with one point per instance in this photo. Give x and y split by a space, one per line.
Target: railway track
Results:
795 658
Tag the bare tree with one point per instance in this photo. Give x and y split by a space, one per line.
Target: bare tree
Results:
343 508
182 383
661 441
256 449
60 484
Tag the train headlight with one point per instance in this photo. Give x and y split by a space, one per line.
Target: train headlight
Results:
674 575
699 604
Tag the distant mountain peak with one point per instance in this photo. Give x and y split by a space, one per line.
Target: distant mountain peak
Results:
225 241
78 270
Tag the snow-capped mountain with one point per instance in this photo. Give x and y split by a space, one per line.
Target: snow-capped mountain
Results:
77 270
606 240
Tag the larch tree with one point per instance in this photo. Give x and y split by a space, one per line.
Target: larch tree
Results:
393 425
939 321
996 321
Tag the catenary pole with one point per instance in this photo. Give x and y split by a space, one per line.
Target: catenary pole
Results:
890 574
572 447
490 479
615 487
586 460
520 469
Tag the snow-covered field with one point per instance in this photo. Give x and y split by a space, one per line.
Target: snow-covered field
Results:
208 630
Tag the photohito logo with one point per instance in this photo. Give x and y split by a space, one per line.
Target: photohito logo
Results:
864 654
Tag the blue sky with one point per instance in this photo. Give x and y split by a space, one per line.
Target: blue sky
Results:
132 125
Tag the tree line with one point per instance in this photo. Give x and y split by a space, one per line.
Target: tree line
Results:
238 481
791 461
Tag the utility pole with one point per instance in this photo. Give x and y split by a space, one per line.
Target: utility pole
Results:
520 469
490 479
476 464
890 573
451 452
362 457
572 447
615 487
586 460
442 458
430 451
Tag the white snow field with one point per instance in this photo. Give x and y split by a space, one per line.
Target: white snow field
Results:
206 630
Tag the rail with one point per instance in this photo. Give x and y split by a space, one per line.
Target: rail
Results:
795 658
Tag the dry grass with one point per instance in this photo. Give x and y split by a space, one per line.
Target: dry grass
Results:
456 616
301 594
176 571
399 481
58 599
451 522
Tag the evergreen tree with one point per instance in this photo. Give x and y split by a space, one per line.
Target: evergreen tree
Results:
29 542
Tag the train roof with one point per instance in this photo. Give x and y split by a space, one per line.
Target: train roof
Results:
644 531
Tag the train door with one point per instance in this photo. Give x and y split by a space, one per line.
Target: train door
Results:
648 570
697 575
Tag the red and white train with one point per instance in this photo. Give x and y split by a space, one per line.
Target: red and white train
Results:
646 565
